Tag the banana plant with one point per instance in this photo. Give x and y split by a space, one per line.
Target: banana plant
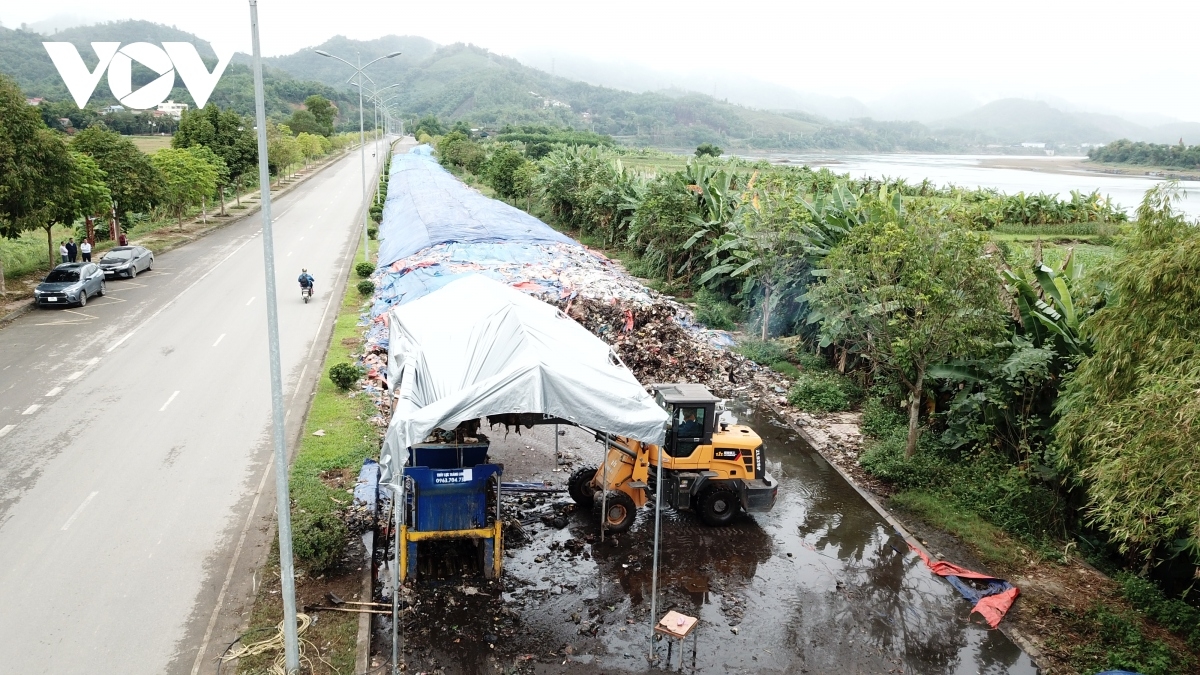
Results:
1047 309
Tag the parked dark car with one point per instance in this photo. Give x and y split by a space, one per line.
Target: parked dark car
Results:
127 261
70 284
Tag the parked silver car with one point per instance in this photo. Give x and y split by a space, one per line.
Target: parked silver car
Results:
127 261
70 284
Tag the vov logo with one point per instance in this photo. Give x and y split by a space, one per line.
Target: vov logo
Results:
172 57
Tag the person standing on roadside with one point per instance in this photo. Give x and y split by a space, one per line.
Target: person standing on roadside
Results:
122 240
72 249
62 250
85 249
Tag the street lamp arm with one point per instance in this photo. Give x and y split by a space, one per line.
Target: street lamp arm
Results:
323 53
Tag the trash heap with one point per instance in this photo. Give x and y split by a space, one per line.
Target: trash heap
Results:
435 229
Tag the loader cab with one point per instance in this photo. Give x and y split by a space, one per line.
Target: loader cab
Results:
693 417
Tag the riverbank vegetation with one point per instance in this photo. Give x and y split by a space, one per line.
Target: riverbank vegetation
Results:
1177 156
1020 393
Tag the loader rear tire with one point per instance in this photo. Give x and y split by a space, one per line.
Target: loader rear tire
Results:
579 486
617 513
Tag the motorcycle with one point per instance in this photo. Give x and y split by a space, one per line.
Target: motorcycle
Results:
306 292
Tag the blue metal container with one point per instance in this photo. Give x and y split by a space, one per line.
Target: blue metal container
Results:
451 499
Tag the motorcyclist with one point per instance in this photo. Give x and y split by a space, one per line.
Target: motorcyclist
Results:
306 280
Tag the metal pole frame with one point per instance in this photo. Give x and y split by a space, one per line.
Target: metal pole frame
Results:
287 574
654 569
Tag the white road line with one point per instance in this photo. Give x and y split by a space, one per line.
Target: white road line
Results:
168 402
250 301
288 255
219 340
79 510
54 392
75 375
7 428
93 361
172 300
31 409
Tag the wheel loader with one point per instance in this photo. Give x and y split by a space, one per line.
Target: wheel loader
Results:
708 466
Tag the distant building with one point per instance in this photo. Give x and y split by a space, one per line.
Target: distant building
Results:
112 109
172 108
1039 146
33 101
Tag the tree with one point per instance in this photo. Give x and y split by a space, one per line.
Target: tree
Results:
501 168
202 153
282 149
227 134
311 146
661 225
186 179
35 167
303 121
908 296
323 111
1129 426
430 125
709 150
132 178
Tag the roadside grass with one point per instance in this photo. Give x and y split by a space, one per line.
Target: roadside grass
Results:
27 253
322 477
991 542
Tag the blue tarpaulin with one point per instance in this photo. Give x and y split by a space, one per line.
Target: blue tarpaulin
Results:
426 205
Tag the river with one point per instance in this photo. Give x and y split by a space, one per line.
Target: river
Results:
1029 174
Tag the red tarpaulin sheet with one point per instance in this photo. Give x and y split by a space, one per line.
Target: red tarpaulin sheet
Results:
991 605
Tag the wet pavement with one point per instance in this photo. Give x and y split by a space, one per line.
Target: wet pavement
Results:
821 584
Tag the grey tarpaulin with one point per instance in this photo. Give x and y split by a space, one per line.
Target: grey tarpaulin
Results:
426 206
478 347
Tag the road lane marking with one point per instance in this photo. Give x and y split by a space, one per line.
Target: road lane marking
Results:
54 392
93 361
237 551
7 428
75 375
219 340
170 302
31 409
79 511
250 301
168 402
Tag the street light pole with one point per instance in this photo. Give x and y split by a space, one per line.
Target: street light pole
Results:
287 576
358 70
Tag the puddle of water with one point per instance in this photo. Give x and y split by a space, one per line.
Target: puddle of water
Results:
819 584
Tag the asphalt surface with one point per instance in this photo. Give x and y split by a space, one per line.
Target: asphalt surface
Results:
135 453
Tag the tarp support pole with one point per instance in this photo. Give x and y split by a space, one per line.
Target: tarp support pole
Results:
397 504
654 566
604 491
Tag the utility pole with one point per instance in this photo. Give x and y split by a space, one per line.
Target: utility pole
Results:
283 504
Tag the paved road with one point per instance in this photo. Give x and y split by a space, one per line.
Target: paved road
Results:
135 443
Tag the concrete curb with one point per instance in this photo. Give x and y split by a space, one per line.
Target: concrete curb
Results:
1009 631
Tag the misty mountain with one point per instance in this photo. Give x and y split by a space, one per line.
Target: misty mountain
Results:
1010 121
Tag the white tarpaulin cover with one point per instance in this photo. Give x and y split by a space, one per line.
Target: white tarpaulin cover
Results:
477 347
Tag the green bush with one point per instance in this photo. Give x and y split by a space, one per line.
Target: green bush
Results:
785 368
1113 640
318 539
364 269
819 393
715 312
880 419
761 352
1175 615
344 375
373 232
366 287
808 360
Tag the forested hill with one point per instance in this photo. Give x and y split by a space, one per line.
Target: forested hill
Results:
23 58
469 83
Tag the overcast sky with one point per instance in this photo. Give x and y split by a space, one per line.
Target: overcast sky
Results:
1130 56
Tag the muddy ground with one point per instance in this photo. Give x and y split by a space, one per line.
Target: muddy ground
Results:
821 584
